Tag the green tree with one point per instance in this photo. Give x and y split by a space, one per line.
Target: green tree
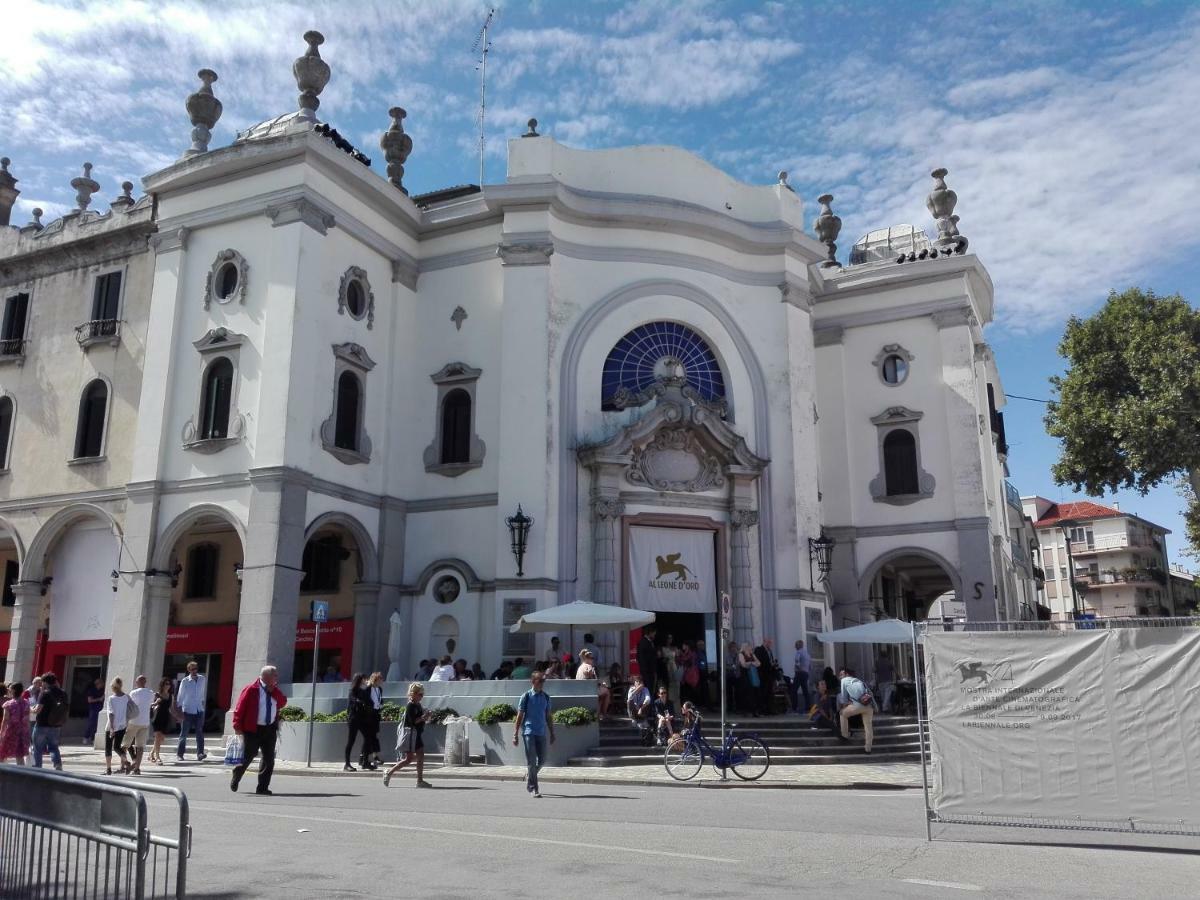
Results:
1128 408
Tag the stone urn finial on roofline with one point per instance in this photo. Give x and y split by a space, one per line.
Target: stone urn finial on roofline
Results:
940 203
204 110
828 226
396 146
312 74
84 186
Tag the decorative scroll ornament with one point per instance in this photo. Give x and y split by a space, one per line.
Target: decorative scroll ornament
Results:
675 461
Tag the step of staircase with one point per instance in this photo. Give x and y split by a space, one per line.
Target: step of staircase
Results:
848 756
791 739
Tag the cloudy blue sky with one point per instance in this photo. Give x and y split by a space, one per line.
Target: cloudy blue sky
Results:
1070 129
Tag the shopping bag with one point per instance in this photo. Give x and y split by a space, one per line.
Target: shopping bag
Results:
235 751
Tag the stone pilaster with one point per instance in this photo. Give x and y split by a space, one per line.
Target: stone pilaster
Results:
26 620
740 523
366 623
606 514
270 578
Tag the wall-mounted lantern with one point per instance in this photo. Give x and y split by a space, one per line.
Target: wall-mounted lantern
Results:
820 549
518 529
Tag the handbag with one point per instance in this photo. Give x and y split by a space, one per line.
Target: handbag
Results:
404 740
235 751
753 670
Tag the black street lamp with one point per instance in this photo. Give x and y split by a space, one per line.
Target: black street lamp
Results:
822 550
518 528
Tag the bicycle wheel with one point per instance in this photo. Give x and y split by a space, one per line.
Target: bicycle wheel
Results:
683 760
749 759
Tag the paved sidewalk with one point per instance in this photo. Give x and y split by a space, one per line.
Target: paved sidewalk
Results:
865 775
888 775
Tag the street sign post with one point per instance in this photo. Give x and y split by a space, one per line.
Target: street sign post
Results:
726 633
320 613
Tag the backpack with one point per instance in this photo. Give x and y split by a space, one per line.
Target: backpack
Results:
61 711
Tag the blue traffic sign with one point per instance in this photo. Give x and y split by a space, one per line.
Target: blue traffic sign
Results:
320 611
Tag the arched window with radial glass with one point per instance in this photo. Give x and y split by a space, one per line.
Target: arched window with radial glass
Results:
456 427
349 412
652 351
6 427
900 463
93 409
218 391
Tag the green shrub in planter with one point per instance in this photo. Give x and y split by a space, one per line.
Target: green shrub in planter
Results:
438 716
391 712
330 717
292 714
495 714
574 715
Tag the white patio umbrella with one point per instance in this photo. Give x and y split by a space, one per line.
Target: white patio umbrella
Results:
885 631
592 616
589 616
395 638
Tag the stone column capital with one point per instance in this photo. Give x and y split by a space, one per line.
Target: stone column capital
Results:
25 591
607 508
743 518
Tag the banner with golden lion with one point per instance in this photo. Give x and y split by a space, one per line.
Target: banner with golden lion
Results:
672 569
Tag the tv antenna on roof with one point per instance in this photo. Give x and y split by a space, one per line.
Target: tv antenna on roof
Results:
482 45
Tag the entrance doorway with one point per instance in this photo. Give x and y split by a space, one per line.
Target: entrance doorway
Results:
175 667
82 672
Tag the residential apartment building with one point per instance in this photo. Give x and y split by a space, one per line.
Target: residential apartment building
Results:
1185 591
1117 562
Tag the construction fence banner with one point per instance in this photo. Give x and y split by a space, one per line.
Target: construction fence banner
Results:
672 569
1085 725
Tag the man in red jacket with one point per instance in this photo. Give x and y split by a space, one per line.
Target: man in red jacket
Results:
256 719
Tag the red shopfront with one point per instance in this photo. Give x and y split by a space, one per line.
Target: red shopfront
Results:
215 648
337 647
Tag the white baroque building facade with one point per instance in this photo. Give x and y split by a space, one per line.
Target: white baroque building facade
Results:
305 384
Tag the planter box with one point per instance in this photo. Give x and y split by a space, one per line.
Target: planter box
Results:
492 742
495 743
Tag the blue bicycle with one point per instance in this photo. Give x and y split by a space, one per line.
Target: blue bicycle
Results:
746 755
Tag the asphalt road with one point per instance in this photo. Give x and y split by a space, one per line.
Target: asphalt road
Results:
329 836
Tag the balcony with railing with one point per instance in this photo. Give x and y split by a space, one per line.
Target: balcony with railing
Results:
1013 496
12 350
1106 543
1117 577
97 331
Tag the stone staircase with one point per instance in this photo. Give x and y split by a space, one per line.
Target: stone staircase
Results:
790 739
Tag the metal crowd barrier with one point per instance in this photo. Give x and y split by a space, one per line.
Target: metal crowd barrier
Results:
78 836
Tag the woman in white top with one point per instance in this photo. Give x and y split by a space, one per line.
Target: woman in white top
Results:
444 670
117 717
586 670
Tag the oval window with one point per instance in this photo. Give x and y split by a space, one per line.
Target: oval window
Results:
446 590
895 369
356 301
227 281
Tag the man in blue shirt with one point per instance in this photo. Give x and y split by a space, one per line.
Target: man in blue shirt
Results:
190 698
855 699
800 670
533 723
